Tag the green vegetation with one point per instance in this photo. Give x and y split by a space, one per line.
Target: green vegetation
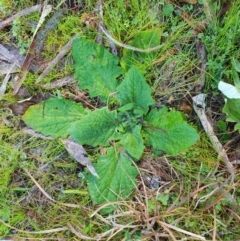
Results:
159 176
130 126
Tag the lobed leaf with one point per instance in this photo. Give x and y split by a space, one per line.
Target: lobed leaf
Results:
95 68
134 89
232 110
54 117
145 39
116 178
133 142
168 131
96 128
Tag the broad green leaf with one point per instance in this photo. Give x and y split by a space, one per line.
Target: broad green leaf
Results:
117 178
168 131
54 117
133 143
144 40
232 109
96 128
126 107
95 68
134 89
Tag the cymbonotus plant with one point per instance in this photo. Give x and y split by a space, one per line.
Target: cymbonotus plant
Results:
125 125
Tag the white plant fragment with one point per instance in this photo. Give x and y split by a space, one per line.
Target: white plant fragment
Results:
230 91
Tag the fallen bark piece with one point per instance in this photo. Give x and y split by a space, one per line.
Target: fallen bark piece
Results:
4 68
11 56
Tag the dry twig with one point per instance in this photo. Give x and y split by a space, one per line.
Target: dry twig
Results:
198 105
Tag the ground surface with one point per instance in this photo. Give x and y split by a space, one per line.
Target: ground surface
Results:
191 196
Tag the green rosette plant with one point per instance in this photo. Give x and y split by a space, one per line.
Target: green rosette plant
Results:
125 127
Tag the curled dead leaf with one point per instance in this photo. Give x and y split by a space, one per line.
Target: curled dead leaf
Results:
79 154
20 107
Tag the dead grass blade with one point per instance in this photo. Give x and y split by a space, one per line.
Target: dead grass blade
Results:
78 233
48 196
84 237
148 50
168 231
222 195
214 225
54 62
39 187
54 230
24 12
193 235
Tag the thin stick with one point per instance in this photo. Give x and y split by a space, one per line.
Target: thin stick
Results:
24 12
128 46
54 62
210 133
